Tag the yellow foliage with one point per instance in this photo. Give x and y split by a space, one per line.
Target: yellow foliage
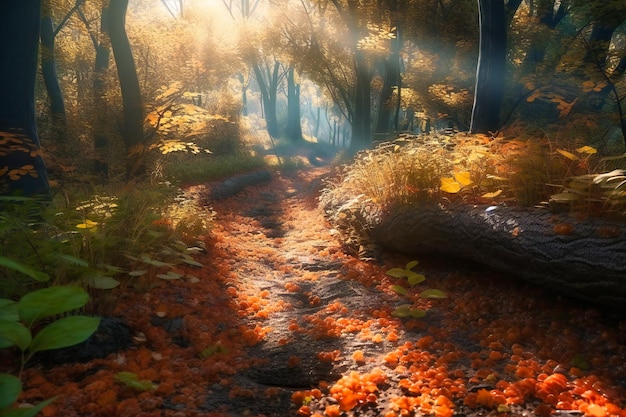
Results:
590 150
463 178
89 224
567 154
449 185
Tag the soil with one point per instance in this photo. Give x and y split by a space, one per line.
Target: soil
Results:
279 321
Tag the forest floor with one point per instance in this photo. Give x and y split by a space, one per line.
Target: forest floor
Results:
281 322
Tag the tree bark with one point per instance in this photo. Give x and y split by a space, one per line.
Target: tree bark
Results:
19 143
294 128
584 259
51 80
269 89
362 120
391 79
132 130
490 73
101 131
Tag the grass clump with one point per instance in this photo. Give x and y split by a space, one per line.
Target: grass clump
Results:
476 169
197 169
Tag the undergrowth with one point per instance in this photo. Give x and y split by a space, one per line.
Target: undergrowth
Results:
480 169
470 169
99 241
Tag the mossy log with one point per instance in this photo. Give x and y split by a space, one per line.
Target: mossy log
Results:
582 257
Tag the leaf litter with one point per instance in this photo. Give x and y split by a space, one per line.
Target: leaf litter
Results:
280 322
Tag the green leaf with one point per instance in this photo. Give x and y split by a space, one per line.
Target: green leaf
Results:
402 311
13 333
417 313
192 262
50 301
170 275
112 268
27 412
102 283
137 273
26 270
64 332
564 197
397 272
411 265
398 289
131 380
154 262
74 260
8 310
414 278
10 388
433 293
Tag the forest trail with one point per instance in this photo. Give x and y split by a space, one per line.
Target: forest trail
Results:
280 322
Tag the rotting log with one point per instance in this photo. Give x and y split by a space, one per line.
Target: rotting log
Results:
583 258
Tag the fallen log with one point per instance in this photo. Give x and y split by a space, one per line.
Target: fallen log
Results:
584 258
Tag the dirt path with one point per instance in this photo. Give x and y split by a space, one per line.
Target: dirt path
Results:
280 322
327 322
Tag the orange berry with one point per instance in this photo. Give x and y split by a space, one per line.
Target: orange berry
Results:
358 356
304 411
332 411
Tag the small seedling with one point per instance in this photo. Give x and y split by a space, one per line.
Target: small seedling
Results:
413 278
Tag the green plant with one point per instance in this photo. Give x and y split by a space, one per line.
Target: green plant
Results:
199 169
413 278
10 388
21 322
131 380
22 325
136 232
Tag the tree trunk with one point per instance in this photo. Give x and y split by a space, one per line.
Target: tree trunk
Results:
490 73
101 131
21 167
598 43
269 89
391 79
362 120
584 259
51 79
132 130
294 128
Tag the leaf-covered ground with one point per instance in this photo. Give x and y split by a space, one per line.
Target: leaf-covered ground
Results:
280 322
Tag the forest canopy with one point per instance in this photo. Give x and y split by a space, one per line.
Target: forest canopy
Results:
126 85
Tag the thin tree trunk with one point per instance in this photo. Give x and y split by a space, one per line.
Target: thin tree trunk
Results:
101 131
362 120
51 79
294 128
391 79
268 90
132 130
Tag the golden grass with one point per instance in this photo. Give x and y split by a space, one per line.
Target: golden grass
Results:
479 169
